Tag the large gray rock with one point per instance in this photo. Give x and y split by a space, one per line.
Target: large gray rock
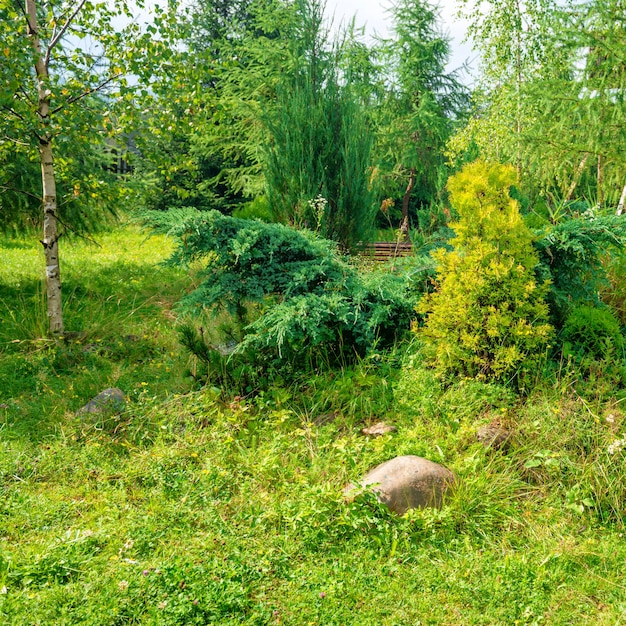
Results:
110 400
407 482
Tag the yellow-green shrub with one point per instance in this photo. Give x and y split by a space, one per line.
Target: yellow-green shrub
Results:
488 316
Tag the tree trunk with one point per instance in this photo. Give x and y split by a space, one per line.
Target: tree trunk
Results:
404 227
576 178
50 240
622 202
600 183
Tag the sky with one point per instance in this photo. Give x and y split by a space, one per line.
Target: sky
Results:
373 14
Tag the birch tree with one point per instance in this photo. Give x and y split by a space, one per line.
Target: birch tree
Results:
517 43
66 66
551 96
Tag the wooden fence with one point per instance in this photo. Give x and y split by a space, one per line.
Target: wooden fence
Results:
386 250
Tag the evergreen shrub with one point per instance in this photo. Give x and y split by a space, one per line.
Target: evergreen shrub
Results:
573 257
305 300
593 332
488 315
317 157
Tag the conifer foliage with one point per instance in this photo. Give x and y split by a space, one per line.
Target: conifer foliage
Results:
488 316
302 295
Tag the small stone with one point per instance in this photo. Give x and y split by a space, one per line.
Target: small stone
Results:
379 429
493 436
110 400
326 418
407 482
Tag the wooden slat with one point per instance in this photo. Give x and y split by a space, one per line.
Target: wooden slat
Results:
386 250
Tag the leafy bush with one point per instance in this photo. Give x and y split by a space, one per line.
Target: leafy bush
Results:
571 257
614 294
311 304
593 345
257 209
488 317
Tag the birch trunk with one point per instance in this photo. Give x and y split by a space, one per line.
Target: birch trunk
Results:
622 201
50 240
577 175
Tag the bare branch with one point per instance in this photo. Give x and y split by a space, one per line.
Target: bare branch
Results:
77 233
85 93
13 112
20 117
20 7
16 190
63 29
17 142
26 95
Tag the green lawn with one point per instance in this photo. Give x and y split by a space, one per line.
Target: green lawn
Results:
196 507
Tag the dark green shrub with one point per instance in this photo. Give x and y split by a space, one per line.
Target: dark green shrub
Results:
317 159
308 304
218 364
592 332
614 294
593 347
572 258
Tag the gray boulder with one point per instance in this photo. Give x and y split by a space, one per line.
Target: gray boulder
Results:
110 400
407 482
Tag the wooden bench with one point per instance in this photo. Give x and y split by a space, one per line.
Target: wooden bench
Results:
386 250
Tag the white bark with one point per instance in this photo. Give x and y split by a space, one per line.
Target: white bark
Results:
577 175
50 240
622 202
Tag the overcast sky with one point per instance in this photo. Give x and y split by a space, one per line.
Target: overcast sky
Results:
374 15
